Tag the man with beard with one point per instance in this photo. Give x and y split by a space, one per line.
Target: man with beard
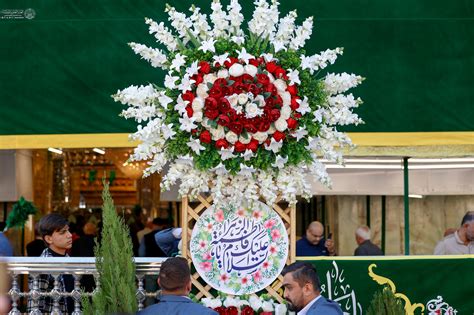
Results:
301 285
460 242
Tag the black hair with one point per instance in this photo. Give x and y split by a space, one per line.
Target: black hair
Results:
160 221
51 223
468 217
303 273
174 274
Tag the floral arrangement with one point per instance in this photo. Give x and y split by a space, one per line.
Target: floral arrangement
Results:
239 115
245 305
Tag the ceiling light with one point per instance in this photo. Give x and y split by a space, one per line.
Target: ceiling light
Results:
415 196
97 150
57 151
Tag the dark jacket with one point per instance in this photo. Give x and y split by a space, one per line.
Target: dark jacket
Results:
367 248
176 305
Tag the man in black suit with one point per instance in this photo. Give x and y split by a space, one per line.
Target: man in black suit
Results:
366 247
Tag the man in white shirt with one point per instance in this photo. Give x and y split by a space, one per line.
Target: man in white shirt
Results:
460 242
301 284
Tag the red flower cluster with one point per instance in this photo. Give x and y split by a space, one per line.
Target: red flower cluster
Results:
218 109
232 310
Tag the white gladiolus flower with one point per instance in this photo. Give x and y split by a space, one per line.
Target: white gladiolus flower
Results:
285 31
339 83
281 124
180 23
302 33
219 19
320 61
236 70
200 28
162 34
154 56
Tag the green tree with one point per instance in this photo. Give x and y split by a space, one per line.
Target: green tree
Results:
385 302
115 265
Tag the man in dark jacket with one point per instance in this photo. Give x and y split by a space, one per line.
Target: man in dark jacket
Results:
366 247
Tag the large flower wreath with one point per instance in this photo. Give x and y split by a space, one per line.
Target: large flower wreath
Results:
241 116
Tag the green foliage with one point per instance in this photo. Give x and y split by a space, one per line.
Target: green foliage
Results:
19 214
384 302
115 265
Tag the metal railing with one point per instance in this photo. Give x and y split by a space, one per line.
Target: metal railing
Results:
75 266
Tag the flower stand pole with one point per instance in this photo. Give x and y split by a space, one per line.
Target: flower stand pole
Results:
190 215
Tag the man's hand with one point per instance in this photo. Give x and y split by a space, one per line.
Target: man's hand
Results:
329 244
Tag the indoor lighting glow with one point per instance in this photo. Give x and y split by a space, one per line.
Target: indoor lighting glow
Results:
57 151
415 196
97 150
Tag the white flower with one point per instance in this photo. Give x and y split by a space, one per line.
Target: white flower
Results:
208 45
299 133
211 303
162 34
155 56
339 83
302 33
233 99
286 97
255 302
186 83
236 70
180 106
195 145
170 81
227 153
243 98
231 137
221 59
267 306
197 115
178 61
244 56
303 106
193 69
229 301
217 133
280 85
164 100
201 91
274 145
198 104
259 100
268 57
220 169
285 112
223 73
244 140
281 309
260 136
245 170
251 70
280 161
248 154
219 19
252 110
168 132
210 78
281 124
187 124
293 76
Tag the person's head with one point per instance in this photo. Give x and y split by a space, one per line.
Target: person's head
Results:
301 285
175 276
54 230
159 223
362 234
90 229
467 226
315 232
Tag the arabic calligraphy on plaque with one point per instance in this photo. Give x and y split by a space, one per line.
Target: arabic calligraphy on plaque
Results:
240 244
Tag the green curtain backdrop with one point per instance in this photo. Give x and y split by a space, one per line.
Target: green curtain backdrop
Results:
421 280
58 69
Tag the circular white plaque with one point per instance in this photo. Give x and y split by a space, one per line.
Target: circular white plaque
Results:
239 249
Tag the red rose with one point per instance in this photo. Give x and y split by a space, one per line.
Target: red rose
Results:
198 78
253 145
228 90
228 63
247 310
224 104
188 96
292 123
294 103
278 136
246 78
223 120
266 313
210 103
254 89
211 113
189 111
204 67
254 62
236 127
220 82
274 114
239 87
263 126
292 89
205 136
263 78
232 310
222 143
279 72
215 92
297 115
221 310
271 66
270 88
278 100
250 128
239 146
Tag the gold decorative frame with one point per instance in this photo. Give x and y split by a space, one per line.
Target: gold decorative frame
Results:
189 217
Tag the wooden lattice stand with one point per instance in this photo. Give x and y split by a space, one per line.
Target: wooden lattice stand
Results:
189 217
